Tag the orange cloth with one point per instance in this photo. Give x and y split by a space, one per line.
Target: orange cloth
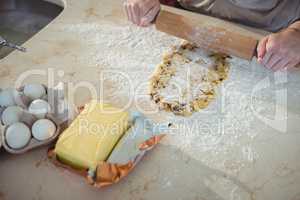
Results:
108 174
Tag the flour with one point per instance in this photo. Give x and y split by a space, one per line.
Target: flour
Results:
186 80
214 136
189 78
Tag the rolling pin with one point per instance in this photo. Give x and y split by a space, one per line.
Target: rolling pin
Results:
207 32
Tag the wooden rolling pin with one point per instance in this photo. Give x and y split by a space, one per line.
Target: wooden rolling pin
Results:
207 32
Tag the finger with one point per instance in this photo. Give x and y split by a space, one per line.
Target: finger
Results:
292 66
266 59
126 10
132 12
281 65
274 60
261 49
147 6
150 16
136 11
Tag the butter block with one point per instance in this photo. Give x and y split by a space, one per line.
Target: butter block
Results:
92 135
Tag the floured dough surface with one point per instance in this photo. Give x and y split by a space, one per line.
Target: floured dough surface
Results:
186 80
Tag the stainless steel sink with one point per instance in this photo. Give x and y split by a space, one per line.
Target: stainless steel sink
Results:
21 19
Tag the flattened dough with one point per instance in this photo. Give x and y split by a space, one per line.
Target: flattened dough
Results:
186 81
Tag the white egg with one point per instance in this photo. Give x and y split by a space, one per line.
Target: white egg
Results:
11 115
43 129
34 91
17 135
7 97
39 108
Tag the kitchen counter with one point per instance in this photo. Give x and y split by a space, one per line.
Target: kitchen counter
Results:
246 145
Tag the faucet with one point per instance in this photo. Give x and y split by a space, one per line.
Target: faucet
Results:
5 43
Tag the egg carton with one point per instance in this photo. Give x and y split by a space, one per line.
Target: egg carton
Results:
23 102
33 143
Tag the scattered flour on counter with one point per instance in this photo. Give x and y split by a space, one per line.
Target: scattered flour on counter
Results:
124 47
213 136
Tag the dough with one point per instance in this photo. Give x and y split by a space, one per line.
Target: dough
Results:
186 80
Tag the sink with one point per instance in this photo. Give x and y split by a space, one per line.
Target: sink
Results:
22 19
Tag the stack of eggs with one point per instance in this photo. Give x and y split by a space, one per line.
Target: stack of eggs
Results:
25 116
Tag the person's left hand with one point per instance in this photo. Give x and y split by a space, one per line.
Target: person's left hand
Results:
280 51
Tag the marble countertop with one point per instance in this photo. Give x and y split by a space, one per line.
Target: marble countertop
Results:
251 150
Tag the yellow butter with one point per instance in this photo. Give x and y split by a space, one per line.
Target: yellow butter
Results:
92 135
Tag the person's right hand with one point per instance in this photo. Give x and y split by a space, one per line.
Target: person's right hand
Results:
142 12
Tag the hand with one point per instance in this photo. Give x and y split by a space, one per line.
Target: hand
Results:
280 51
142 12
